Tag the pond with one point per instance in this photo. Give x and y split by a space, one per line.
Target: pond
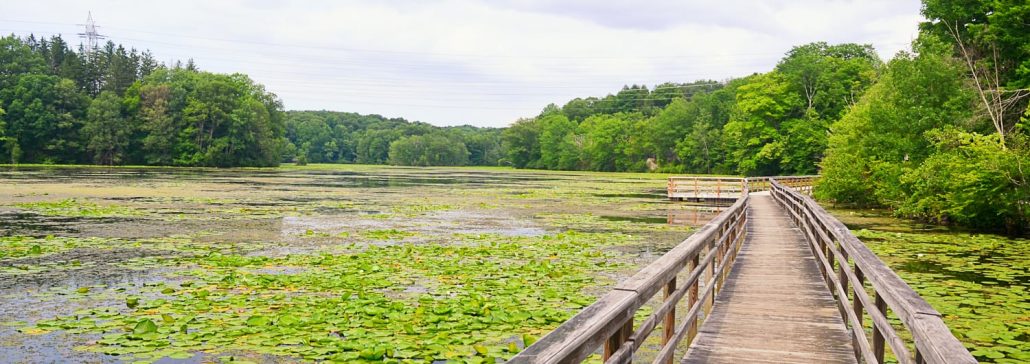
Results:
346 263
979 282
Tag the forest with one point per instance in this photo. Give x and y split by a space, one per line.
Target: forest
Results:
939 132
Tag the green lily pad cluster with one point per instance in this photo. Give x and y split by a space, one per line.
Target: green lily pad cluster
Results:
470 302
346 263
78 208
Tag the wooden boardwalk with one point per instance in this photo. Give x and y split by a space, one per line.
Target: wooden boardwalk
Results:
774 307
773 278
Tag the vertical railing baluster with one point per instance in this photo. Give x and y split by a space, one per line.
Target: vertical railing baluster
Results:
669 325
692 299
619 337
709 274
881 306
857 306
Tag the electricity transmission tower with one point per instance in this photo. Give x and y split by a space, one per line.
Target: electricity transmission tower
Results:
90 35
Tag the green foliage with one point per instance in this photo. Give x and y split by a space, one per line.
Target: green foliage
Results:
606 137
883 134
44 115
554 129
428 150
763 103
119 106
521 142
951 185
918 143
769 123
106 131
994 32
338 137
830 77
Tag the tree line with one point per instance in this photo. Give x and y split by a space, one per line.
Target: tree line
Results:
763 124
944 134
340 137
941 132
118 106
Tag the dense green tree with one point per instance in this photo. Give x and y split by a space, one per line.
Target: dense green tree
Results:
522 143
762 103
554 127
428 150
829 77
990 39
605 144
106 131
883 134
16 60
971 180
161 128
44 113
374 146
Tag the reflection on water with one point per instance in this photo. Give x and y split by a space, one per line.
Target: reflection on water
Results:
694 215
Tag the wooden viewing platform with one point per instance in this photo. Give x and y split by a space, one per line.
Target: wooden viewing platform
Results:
772 279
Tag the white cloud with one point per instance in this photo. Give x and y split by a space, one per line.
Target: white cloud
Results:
478 62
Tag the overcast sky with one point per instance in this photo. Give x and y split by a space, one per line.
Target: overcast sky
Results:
483 63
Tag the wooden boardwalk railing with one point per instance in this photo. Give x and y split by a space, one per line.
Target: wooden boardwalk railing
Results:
706 188
847 266
707 257
800 183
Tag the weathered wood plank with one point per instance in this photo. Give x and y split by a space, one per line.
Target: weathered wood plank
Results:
774 306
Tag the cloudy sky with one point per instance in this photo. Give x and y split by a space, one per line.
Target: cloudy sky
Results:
483 63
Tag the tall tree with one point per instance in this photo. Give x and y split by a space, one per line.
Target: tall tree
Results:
45 113
990 37
106 131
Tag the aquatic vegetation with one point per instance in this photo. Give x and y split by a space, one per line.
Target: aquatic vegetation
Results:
386 234
591 222
978 282
78 208
473 302
346 263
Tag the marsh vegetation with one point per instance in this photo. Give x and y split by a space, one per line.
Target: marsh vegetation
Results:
316 263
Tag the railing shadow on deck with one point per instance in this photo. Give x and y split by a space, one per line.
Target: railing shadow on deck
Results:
707 257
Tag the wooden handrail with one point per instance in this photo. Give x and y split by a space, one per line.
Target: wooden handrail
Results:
801 183
706 188
706 256
837 249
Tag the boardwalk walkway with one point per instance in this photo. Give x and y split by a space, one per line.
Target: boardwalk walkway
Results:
774 306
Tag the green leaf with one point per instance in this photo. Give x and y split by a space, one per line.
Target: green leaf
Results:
528 339
257 320
144 326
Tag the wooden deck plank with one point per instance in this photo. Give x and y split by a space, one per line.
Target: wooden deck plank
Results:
774 306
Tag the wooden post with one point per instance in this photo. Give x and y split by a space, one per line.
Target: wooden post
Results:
619 337
669 325
857 306
877 336
709 277
692 299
